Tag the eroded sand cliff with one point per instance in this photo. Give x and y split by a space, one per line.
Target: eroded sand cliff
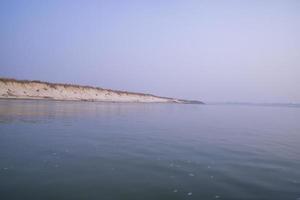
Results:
23 89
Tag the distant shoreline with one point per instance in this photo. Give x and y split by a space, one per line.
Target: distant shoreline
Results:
296 105
39 90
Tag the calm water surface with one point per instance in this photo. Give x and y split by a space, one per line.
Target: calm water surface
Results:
85 150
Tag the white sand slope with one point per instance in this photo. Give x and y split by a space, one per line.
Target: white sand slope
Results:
20 89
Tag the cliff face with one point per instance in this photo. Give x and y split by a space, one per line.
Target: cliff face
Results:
10 88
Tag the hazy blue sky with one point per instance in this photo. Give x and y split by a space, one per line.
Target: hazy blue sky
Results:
207 50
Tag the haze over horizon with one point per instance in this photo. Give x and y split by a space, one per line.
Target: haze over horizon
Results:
242 51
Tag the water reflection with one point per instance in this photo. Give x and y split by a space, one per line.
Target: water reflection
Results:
36 110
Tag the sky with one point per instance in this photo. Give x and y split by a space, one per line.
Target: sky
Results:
214 51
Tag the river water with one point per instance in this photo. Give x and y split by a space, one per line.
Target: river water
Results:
89 150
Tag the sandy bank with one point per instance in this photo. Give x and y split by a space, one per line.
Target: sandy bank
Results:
23 89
